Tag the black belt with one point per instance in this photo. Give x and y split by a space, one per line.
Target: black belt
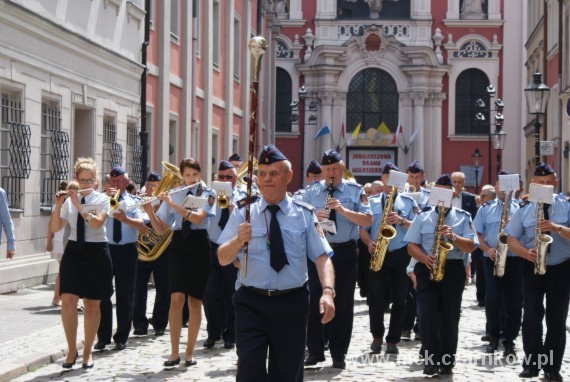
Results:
272 292
343 245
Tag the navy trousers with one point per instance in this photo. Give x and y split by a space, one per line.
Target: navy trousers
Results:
124 259
159 271
555 285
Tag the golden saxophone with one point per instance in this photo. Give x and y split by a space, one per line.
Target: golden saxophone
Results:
502 248
541 242
386 232
440 249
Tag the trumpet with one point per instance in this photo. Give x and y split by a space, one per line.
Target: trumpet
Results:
223 200
151 199
60 193
114 201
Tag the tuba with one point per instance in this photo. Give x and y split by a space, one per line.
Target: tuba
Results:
541 242
502 248
151 246
440 249
385 233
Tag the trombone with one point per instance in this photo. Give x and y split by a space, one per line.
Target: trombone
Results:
151 199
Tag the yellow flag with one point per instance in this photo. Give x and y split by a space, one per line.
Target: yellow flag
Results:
356 131
383 129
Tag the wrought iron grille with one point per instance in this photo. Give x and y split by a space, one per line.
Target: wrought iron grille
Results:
469 87
112 151
372 99
19 167
134 154
12 112
54 153
283 97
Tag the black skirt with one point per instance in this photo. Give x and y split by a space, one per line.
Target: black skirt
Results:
190 260
87 273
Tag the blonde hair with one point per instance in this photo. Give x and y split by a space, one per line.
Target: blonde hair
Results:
88 164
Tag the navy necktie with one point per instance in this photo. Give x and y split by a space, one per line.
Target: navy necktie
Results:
117 233
186 223
224 218
332 213
546 217
81 229
278 258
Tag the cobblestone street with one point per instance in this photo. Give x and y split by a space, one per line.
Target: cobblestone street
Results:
39 345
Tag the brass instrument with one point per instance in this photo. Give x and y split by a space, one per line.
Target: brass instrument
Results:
386 232
541 242
409 188
440 249
242 171
222 200
347 175
151 246
502 248
60 193
114 200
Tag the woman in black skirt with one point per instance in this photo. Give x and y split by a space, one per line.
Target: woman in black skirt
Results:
189 255
86 270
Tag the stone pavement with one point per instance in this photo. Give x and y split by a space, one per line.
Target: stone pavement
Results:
31 339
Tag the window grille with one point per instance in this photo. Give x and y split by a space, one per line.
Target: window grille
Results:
134 154
283 98
112 151
54 157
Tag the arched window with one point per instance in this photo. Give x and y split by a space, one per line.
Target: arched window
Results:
372 99
469 87
283 94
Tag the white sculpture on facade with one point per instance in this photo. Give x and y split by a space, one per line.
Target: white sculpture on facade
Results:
472 9
375 7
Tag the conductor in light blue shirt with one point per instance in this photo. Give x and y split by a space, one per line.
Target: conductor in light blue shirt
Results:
7 225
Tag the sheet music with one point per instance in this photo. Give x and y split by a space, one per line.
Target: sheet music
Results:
328 225
440 196
541 193
509 182
397 179
93 208
416 195
194 202
222 186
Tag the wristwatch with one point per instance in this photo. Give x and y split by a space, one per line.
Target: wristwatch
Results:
453 237
402 221
331 289
88 217
559 230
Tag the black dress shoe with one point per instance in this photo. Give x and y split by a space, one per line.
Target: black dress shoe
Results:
191 362
100 345
391 348
88 365
313 359
158 332
69 365
509 351
493 345
140 332
486 338
339 363
210 342
430 370
171 363
229 344
528 373
120 346
552 375
445 371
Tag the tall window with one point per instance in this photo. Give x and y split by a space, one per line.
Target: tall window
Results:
237 47
469 87
283 98
134 153
13 147
216 31
112 151
372 99
174 18
54 157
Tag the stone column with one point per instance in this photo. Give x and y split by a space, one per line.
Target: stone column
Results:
163 84
406 120
325 115
436 132
418 151
295 10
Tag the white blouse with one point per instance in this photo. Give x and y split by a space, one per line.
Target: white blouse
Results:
69 213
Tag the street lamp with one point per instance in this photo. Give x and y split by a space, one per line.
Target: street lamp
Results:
481 107
499 140
476 160
537 94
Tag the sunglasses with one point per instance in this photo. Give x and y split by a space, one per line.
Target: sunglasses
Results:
226 177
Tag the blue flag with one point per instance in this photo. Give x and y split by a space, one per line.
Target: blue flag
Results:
322 131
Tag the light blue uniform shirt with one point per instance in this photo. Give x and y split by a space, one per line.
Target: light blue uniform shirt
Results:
522 227
424 197
128 233
214 231
487 221
302 237
422 231
69 213
6 221
351 196
403 206
171 217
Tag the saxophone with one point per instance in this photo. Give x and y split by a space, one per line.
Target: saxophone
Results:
541 242
386 233
502 248
440 249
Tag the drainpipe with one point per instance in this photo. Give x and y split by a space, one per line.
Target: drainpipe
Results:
194 122
144 133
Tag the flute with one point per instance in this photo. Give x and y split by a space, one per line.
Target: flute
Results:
60 193
151 199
